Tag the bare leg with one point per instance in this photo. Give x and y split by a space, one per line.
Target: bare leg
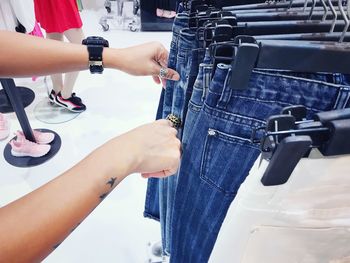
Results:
57 80
74 35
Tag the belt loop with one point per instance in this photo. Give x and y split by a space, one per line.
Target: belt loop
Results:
338 78
207 69
226 92
343 98
347 100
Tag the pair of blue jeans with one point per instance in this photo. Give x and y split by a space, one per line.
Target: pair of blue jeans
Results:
188 57
152 204
217 152
160 192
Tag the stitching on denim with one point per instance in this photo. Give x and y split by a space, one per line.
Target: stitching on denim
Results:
197 89
228 118
297 78
211 183
233 138
204 160
342 99
347 100
202 176
211 92
226 92
194 107
181 58
208 109
274 101
148 215
339 95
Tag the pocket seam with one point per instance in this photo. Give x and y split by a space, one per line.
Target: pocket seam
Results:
194 107
220 136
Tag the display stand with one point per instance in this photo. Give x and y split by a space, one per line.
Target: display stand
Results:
149 19
27 97
12 94
50 113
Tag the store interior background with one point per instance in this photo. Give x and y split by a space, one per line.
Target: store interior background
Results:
116 102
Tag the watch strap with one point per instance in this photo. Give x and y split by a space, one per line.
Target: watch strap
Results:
95 58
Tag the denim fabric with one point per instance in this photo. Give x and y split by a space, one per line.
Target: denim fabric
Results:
187 42
176 51
193 66
152 209
218 154
183 93
200 90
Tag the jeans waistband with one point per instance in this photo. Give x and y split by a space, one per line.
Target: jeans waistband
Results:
186 43
274 88
188 35
180 22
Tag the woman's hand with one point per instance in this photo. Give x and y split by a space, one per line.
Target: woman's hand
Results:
154 149
145 60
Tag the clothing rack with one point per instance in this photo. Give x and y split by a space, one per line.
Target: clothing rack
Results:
231 82
119 15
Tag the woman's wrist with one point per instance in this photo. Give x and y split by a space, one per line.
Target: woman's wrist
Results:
113 58
119 159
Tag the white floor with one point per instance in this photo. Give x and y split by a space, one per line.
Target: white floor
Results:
116 231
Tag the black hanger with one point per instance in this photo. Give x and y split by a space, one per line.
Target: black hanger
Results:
298 56
282 16
274 10
324 37
197 4
272 5
328 132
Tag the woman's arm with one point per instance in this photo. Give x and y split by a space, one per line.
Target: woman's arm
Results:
31 227
24 55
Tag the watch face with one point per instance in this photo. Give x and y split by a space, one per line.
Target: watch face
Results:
96 41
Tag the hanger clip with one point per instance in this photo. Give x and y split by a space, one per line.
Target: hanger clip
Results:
285 142
338 142
288 153
244 61
298 111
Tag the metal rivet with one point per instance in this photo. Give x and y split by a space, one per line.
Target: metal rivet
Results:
211 132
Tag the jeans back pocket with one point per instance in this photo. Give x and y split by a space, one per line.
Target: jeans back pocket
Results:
226 160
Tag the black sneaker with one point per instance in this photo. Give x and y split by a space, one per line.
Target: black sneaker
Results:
73 103
52 96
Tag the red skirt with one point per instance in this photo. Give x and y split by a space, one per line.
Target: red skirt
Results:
57 16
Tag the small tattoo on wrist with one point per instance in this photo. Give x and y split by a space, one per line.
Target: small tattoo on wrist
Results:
112 181
103 196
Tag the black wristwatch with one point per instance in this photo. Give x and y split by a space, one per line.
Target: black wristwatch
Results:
95 47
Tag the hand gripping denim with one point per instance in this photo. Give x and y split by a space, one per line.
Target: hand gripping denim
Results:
152 195
218 154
